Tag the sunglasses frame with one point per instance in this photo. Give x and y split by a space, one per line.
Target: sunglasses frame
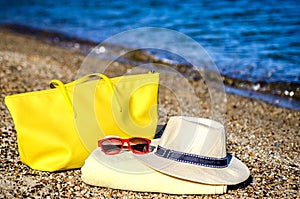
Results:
127 140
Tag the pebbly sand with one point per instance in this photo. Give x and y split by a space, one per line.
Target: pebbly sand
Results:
266 138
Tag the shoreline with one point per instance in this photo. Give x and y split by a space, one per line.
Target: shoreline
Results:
265 137
283 94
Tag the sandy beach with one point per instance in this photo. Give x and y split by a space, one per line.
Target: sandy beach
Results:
265 137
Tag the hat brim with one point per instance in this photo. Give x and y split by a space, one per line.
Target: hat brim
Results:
235 173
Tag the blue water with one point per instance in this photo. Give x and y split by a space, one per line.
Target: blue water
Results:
256 40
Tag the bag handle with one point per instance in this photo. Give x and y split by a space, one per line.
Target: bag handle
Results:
58 84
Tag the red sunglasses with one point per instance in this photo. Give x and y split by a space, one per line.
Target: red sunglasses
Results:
114 145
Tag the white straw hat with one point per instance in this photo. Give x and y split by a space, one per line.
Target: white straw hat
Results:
195 149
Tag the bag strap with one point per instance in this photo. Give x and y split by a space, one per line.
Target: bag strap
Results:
58 84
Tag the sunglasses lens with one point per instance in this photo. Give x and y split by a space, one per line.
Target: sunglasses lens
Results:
139 145
112 146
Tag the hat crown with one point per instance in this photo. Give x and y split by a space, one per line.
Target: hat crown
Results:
197 136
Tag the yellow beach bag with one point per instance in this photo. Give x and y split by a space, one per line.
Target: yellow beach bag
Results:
58 128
